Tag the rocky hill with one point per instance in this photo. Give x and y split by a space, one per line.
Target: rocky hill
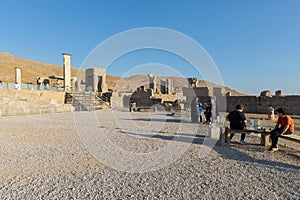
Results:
33 69
30 70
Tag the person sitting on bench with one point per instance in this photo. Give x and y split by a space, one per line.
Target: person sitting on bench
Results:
237 121
284 125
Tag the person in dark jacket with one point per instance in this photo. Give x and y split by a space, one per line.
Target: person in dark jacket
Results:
208 112
238 121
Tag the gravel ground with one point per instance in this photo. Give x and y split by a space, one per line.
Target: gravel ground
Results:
158 157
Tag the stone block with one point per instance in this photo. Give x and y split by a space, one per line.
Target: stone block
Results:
217 91
278 93
189 92
221 103
214 132
266 93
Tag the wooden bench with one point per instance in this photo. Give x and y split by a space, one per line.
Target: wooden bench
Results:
145 109
291 137
225 135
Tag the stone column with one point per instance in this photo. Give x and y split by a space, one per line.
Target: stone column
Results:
18 78
67 72
194 111
152 82
163 86
169 86
78 84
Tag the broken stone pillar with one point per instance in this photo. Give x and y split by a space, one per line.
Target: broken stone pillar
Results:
169 86
18 78
278 93
152 82
163 86
78 84
194 111
228 94
266 93
192 82
67 72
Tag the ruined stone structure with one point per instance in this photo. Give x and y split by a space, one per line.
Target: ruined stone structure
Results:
191 92
152 82
163 88
142 97
278 93
95 80
67 72
79 84
147 95
261 104
166 86
266 93
169 86
120 99
192 82
252 104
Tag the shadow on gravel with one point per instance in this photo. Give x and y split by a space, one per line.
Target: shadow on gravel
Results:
178 137
159 120
226 151
233 154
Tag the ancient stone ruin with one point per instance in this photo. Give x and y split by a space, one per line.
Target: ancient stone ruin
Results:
253 104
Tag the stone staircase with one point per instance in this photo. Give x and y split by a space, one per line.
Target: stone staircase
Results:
88 101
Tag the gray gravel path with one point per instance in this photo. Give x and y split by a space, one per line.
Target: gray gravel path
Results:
43 157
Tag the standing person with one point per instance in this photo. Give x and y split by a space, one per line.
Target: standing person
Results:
199 109
284 125
238 121
208 113
38 83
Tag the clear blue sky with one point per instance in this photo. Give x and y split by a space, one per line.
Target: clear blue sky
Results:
255 44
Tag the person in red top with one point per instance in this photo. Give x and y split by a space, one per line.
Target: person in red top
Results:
284 125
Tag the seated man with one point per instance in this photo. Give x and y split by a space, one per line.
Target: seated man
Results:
237 121
284 125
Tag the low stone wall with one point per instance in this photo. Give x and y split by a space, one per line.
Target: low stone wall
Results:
261 104
24 102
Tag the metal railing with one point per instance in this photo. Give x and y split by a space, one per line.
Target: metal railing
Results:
13 86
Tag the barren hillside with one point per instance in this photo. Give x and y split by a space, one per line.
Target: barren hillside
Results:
33 69
30 70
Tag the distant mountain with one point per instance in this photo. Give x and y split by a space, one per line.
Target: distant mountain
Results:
30 70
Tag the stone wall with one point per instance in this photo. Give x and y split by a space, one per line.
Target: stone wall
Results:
252 104
24 102
120 99
95 80
261 104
